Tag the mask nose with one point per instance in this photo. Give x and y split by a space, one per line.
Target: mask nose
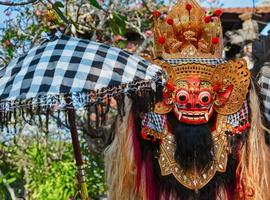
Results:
192 101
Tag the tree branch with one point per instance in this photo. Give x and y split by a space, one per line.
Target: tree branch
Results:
78 11
7 3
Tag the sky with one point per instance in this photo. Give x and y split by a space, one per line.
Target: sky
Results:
239 3
2 15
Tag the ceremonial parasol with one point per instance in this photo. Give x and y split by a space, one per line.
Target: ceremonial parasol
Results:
63 70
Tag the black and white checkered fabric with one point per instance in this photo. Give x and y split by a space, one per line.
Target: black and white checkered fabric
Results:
209 61
236 118
264 82
66 65
154 121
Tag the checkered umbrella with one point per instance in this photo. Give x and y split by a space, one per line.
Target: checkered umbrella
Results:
264 81
63 71
66 65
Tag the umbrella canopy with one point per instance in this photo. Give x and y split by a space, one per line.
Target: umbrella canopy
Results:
63 71
63 67
66 65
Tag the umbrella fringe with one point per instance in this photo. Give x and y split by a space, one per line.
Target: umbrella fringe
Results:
47 120
58 119
120 99
97 115
144 94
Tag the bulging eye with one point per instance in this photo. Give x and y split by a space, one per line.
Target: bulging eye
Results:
182 96
204 98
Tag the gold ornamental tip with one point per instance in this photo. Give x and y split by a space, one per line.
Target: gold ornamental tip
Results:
188 31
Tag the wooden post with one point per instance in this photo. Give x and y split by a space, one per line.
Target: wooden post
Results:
76 148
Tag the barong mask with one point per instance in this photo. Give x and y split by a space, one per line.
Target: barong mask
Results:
195 97
196 89
200 85
200 141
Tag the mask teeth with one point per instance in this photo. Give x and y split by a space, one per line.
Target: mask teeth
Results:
179 115
178 112
206 116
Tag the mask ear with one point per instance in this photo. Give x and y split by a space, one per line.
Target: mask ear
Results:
166 105
162 108
223 97
233 77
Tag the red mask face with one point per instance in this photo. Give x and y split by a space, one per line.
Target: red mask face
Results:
193 101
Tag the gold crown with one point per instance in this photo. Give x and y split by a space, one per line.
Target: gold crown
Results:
188 31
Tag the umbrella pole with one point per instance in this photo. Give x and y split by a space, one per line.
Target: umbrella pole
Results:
77 152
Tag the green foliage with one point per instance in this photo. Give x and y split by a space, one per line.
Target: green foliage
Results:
146 6
95 175
57 8
46 169
118 24
59 4
57 183
95 4
50 180
121 44
10 176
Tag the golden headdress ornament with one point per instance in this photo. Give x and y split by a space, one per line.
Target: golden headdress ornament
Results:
189 40
188 31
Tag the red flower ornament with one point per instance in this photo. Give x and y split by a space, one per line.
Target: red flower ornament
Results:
215 40
170 86
170 21
188 6
156 14
207 19
161 40
218 12
248 125
216 88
